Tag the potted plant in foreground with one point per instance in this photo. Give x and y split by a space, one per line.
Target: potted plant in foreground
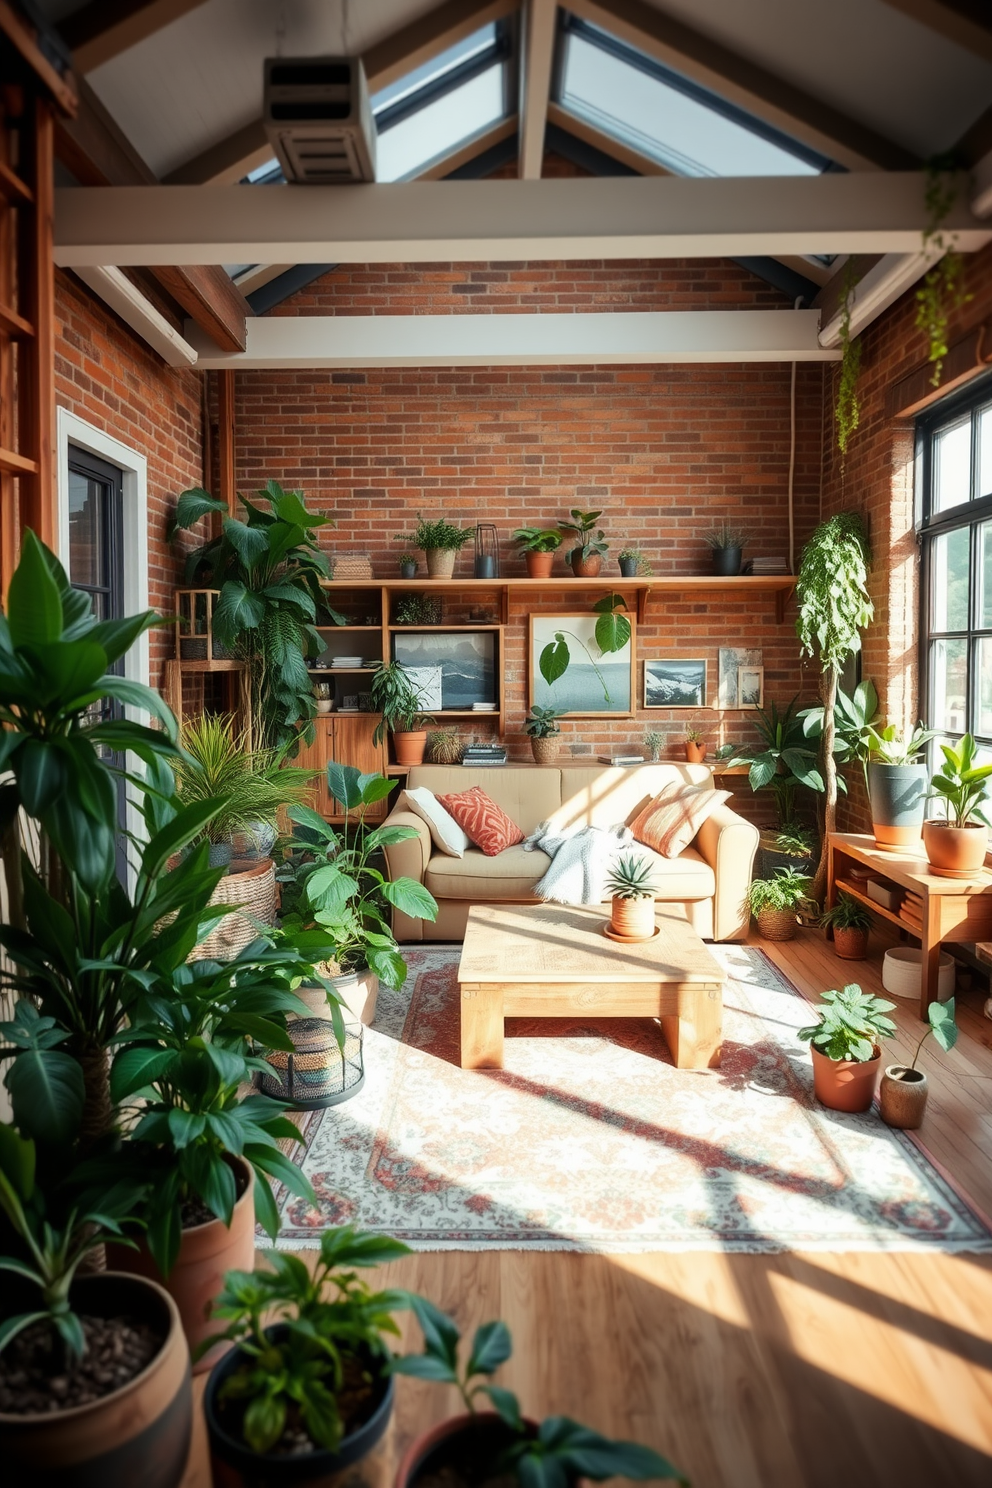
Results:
956 846
845 1047
544 731
850 923
588 546
727 545
633 888
472 1448
440 542
695 745
399 702
902 1095
539 546
775 902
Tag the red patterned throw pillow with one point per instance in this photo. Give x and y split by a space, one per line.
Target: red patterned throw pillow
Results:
482 820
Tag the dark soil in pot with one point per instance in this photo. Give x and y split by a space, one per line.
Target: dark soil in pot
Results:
34 1377
467 1458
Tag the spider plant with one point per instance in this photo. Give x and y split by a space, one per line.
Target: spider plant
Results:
253 783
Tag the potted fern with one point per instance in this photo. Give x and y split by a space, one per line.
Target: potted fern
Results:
845 1045
850 923
440 542
956 845
539 546
775 903
633 888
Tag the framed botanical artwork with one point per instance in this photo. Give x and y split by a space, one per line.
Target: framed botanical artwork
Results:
458 666
750 687
730 661
595 683
674 683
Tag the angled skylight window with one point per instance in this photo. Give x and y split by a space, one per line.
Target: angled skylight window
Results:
437 108
667 117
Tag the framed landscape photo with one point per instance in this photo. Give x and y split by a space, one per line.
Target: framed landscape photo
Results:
673 683
750 687
595 684
463 661
731 660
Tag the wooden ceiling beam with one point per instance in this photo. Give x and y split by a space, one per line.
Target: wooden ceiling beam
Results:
23 37
537 53
966 22
103 29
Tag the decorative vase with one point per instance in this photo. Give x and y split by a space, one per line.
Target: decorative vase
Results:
628 568
139 1433
324 705
633 918
545 751
902 1097
539 565
727 561
485 566
408 570
410 746
777 924
955 852
585 568
358 990
695 753
845 1084
898 801
850 943
219 854
440 562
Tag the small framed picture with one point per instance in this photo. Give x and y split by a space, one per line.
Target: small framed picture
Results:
675 684
751 687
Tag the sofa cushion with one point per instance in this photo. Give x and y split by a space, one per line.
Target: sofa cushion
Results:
510 875
688 876
486 823
603 796
445 832
670 822
527 796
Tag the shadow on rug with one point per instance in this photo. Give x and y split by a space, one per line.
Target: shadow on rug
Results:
590 1139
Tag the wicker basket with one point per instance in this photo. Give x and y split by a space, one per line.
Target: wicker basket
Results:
777 924
352 566
317 1074
254 893
545 750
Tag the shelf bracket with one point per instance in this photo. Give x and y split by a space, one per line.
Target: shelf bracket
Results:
782 597
642 605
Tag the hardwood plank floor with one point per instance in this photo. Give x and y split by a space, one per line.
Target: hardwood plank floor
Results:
781 1371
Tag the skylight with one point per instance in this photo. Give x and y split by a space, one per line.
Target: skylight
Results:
665 116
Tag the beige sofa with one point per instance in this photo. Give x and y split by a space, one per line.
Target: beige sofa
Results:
710 878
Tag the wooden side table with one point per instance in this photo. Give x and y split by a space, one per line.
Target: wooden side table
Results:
952 909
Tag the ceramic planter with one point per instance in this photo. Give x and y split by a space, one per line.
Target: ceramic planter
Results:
545 751
850 943
902 1097
408 570
235 1465
694 753
585 568
628 568
845 1084
358 990
464 1442
727 561
206 1251
539 565
955 852
898 799
633 918
440 562
139 1434
410 747
777 924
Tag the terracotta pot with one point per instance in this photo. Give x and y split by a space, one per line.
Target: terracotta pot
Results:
850 944
777 924
139 1434
545 751
955 852
482 1438
410 746
440 562
845 1084
902 1097
694 753
633 918
586 568
539 565
206 1251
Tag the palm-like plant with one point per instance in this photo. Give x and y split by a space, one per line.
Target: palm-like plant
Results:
253 783
632 877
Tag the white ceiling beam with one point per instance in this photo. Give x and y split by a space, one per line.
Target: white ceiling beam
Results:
524 340
117 291
479 221
427 36
536 61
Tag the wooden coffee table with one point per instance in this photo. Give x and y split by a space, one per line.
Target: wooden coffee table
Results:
553 961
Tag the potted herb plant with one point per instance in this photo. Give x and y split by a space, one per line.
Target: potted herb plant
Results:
633 887
632 563
307 1390
408 565
399 702
555 1453
539 546
851 923
956 844
897 785
654 742
845 1047
544 731
94 1376
902 1095
727 545
695 745
588 544
775 903
440 542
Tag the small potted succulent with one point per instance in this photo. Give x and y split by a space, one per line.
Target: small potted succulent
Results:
695 745
588 544
654 743
727 544
633 888
775 903
632 563
396 698
469 1448
902 1095
440 542
408 565
539 546
544 731
851 923
896 780
845 1047
956 844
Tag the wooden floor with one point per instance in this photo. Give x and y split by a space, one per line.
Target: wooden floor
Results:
859 1370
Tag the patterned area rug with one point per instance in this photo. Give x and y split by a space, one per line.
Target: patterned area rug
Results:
590 1139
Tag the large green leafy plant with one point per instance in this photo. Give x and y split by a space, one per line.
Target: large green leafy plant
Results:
962 785
399 702
852 1024
781 761
268 569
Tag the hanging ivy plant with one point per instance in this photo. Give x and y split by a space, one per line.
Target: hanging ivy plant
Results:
847 412
941 291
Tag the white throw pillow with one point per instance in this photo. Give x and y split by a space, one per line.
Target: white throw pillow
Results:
446 834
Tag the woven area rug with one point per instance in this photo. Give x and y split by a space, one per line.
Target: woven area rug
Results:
591 1140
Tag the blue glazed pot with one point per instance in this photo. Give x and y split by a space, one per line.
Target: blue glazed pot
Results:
898 800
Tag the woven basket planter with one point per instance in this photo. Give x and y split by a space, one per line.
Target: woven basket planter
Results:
777 924
254 893
545 751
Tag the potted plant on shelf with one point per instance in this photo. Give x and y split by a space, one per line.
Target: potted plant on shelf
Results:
589 547
851 923
654 742
727 545
902 1095
956 844
695 745
555 1453
632 885
544 731
307 1390
440 542
444 746
396 698
776 902
897 785
539 546
845 1047
633 563
94 1376
408 565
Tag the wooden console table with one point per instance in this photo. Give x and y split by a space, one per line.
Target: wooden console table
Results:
952 909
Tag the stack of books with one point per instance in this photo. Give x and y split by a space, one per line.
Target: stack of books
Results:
484 754
911 910
621 759
762 567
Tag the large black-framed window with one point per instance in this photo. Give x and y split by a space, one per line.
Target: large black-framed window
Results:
954 496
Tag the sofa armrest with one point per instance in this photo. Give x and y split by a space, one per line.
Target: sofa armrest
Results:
408 859
729 843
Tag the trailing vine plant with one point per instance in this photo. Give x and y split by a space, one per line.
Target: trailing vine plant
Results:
847 412
941 290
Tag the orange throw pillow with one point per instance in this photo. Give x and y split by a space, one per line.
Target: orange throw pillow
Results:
482 820
670 822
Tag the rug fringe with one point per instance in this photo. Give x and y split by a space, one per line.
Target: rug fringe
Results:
673 1247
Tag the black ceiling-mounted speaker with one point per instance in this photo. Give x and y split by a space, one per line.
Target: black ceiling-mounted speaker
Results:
319 120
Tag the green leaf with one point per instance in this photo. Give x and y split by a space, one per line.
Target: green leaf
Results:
11 1326
612 632
441 1335
264 1422
185 1126
237 610
411 898
425 1367
137 1067
34 604
305 816
177 834
942 1021
250 543
491 1347
47 1094
507 1405
137 695
17 1161
192 505
554 659
344 784
375 788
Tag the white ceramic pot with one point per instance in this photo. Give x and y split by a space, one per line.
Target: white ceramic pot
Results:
359 991
902 970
